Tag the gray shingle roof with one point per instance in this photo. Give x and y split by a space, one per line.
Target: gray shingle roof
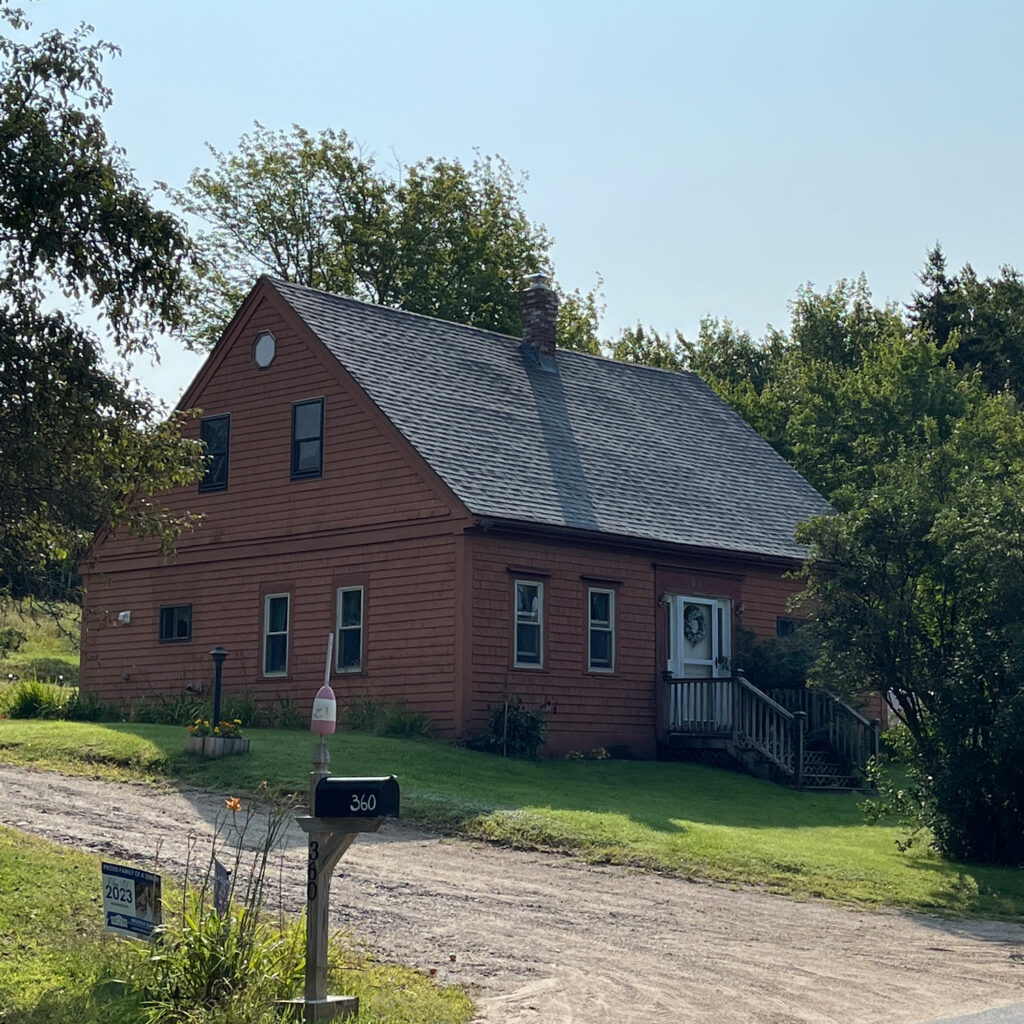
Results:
598 445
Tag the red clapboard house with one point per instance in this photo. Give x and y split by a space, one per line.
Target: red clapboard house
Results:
475 517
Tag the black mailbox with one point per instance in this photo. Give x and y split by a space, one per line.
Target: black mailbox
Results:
357 798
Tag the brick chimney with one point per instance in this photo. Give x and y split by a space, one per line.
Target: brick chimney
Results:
540 307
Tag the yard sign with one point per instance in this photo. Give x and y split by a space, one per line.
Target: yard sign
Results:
131 900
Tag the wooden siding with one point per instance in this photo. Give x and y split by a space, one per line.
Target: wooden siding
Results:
622 708
588 709
370 475
766 597
377 517
409 609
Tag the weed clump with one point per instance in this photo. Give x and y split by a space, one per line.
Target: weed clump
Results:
218 951
383 719
514 730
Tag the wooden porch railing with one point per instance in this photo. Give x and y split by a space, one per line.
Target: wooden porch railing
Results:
845 729
735 707
774 724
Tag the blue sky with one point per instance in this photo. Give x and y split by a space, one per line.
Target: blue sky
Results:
702 157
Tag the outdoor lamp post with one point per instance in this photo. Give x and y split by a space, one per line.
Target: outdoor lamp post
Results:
218 654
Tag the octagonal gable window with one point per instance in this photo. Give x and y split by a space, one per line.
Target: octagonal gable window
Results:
263 349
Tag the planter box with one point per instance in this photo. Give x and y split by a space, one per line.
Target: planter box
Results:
215 746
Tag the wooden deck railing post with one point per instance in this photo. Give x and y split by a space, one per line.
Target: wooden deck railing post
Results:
798 767
737 709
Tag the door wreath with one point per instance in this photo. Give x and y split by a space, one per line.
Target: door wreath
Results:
695 625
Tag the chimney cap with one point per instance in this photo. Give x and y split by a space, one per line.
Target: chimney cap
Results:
538 280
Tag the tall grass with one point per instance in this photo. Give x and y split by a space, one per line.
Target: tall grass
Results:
32 698
364 714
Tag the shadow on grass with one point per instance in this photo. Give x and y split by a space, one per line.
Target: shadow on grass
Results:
535 804
79 1006
988 901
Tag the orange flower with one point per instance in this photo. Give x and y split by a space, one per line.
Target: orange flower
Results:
233 804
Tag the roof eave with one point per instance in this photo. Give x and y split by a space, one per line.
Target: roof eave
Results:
488 524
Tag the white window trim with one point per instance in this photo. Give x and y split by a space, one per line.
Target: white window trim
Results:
286 633
338 628
609 629
721 636
539 664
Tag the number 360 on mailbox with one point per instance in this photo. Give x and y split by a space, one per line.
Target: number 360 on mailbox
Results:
357 798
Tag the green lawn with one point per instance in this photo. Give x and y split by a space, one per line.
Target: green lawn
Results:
56 962
48 651
680 818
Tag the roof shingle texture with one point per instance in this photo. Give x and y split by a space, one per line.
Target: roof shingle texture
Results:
593 444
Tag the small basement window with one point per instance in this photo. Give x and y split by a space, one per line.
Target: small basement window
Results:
175 622
786 626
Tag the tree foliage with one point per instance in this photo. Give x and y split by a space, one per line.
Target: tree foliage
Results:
579 319
77 447
908 423
438 238
649 348
981 321
920 586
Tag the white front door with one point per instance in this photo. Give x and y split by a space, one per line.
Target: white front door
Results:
699 637
699 647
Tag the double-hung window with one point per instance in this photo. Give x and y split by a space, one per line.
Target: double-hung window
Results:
307 438
215 433
175 622
276 609
600 630
529 624
349 643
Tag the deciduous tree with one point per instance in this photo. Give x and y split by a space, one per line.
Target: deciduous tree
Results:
919 586
77 446
649 348
437 237
909 425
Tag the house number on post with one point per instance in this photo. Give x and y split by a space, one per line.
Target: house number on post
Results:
314 853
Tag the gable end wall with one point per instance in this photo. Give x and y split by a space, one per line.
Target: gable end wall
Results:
375 517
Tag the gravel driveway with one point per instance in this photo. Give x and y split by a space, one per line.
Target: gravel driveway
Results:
544 938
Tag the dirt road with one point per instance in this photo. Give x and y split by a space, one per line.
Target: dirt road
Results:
544 938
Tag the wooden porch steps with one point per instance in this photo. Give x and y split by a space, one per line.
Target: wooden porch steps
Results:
821 772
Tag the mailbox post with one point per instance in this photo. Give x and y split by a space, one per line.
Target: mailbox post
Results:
340 808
